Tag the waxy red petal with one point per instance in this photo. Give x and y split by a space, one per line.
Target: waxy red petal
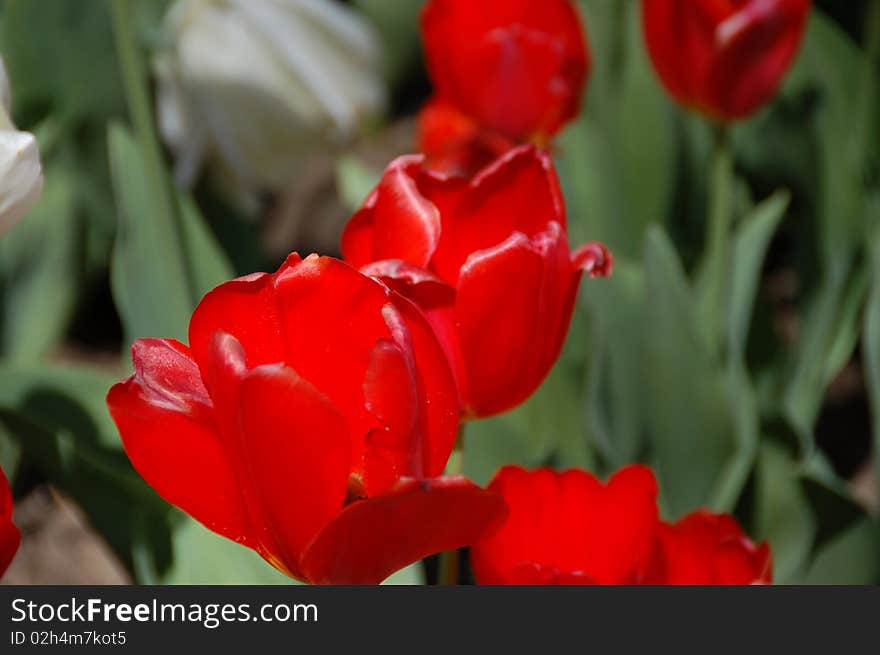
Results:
519 192
569 527
297 451
371 539
165 420
498 318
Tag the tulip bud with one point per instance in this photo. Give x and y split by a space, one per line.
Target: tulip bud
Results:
260 83
21 175
724 58
505 72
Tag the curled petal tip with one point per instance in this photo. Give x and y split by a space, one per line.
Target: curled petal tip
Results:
594 259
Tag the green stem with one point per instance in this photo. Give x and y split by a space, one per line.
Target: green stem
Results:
716 262
450 560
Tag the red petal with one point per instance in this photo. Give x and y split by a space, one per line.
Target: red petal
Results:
319 316
10 537
705 548
246 309
297 452
439 409
394 449
371 539
454 143
519 192
358 235
571 524
516 66
758 45
680 35
165 420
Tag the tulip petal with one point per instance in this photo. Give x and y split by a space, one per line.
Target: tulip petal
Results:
373 538
393 449
297 450
758 44
246 309
519 192
293 317
705 548
569 528
518 67
164 417
497 312
406 225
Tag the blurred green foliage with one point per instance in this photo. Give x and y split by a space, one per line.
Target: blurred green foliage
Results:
721 398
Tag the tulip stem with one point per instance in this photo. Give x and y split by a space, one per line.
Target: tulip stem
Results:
450 560
716 262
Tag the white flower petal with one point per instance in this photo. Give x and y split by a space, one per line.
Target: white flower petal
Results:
21 176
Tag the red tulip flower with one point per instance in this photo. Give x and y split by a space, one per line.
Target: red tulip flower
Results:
709 549
725 58
569 528
487 259
505 72
10 537
309 419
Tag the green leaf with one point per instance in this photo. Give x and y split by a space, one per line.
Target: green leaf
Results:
851 559
207 264
62 397
750 243
614 161
203 557
871 342
689 424
54 52
782 513
414 574
355 180
117 501
615 388
162 263
41 268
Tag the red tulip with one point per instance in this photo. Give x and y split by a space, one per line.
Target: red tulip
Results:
511 70
487 259
709 549
309 419
569 528
725 58
10 537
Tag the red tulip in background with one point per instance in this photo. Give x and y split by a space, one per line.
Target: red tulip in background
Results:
569 528
487 259
309 419
10 537
725 58
505 72
705 548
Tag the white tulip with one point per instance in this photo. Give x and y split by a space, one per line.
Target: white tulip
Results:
261 82
21 175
